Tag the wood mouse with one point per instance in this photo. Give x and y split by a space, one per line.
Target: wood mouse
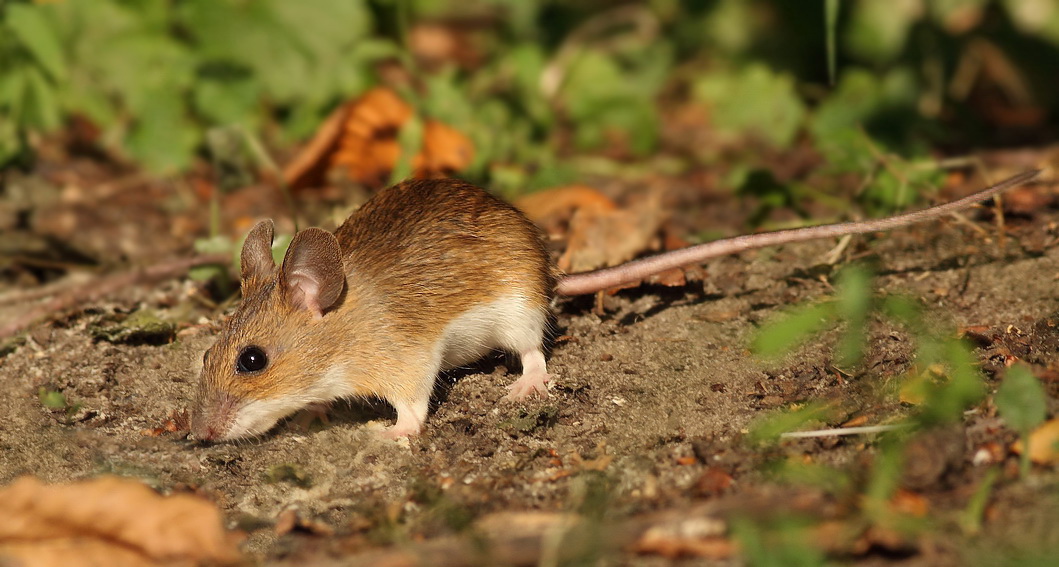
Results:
428 275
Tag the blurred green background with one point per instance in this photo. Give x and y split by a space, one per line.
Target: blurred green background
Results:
535 82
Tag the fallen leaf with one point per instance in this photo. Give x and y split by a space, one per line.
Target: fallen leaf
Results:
712 482
552 209
108 521
600 238
856 421
1044 443
909 503
687 537
290 520
360 138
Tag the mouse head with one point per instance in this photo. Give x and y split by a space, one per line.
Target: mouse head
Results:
266 359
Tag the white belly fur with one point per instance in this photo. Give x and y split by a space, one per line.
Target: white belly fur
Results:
512 323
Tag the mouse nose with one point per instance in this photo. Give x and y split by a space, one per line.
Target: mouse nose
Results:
203 431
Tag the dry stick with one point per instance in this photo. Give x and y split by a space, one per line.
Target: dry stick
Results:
590 282
865 430
24 295
107 285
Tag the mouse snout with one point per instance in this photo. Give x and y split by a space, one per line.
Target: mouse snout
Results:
210 421
202 430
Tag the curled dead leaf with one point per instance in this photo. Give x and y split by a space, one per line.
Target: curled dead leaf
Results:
552 209
108 521
1044 444
360 138
687 537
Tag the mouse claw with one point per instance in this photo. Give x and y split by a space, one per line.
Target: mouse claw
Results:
316 411
527 386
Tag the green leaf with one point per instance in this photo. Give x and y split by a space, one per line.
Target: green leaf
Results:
795 327
945 403
905 310
771 426
41 106
163 137
778 541
878 30
13 87
885 479
234 101
51 399
39 35
754 100
1021 400
854 300
831 22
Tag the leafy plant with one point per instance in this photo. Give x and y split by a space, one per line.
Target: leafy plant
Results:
945 379
55 401
1021 401
851 306
778 542
32 65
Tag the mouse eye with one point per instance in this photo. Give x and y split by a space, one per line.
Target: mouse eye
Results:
251 359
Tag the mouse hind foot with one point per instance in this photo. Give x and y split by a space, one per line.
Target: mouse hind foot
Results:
411 414
534 379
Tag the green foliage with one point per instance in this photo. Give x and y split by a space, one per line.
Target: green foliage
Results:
55 401
769 428
753 100
974 514
831 21
853 305
32 64
778 542
154 75
959 384
796 326
1021 401
795 471
607 92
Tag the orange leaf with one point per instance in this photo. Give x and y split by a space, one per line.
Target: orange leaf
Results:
1044 443
360 137
108 521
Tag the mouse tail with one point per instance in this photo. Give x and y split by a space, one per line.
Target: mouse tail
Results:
591 282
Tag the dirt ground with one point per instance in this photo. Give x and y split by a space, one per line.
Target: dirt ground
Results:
647 420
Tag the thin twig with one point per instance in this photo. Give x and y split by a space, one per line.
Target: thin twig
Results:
842 431
26 295
106 285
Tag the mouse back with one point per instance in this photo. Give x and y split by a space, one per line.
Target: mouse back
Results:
435 248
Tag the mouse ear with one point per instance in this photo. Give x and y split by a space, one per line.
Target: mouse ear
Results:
255 260
312 274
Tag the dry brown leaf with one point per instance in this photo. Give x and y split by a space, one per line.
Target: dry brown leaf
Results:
909 503
713 481
108 521
445 151
290 520
1044 443
552 209
360 137
601 238
435 44
309 167
690 537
